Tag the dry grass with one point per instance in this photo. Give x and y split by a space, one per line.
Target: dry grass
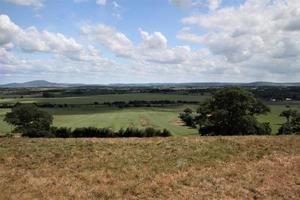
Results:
156 168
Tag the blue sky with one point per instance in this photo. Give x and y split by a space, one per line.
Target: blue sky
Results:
128 41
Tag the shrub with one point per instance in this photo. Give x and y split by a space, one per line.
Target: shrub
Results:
87 132
61 132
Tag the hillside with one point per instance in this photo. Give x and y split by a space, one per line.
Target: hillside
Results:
173 168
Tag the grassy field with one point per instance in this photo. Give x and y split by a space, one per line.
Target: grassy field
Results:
107 98
190 167
274 117
138 117
116 118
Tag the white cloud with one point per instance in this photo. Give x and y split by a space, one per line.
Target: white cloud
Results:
110 38
153 48
101 2
214 4
34 3
32 40
155 41
186 35
255 29
67 55
257 40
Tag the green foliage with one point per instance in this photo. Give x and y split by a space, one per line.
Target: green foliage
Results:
292 124
187 117
61 132
29 120
88 132
232 111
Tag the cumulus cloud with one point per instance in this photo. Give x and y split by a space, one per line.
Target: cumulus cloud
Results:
257 40
253 30
32 40
68 56
109 37
153 48
34 3
214 4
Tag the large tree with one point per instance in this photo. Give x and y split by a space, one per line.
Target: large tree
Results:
292 124
232 111
29 120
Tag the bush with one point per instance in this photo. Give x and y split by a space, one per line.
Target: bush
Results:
188 119
61 132
88 132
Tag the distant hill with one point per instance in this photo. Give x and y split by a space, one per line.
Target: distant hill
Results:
43 83
38 83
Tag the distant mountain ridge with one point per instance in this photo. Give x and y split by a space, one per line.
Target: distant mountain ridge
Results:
43 83
38 83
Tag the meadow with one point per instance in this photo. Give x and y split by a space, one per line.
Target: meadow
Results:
116 118
107 98
193 167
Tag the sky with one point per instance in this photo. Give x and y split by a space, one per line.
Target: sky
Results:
149 41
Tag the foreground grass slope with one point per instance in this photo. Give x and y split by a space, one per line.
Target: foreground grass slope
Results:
158 168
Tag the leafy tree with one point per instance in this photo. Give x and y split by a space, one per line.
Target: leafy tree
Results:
187 117
288 114
29 120
188 111
292 124
232 111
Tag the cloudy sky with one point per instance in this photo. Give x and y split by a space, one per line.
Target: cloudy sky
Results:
142 41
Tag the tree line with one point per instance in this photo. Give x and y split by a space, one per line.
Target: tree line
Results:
117 104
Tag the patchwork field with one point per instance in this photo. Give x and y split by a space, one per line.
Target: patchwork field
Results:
115 118
190 167
107 98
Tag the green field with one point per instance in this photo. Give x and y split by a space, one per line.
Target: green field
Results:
107 98
115 118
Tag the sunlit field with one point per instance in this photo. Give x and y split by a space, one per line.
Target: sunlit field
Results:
116 118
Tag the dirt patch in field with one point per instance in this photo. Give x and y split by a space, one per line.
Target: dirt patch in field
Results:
144 121
178 122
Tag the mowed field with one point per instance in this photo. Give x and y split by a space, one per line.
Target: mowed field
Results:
191 167
115 118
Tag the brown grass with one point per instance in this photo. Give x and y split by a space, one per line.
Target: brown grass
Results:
154 168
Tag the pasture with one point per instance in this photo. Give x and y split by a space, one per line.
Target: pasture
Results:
249 167
107 98
115 118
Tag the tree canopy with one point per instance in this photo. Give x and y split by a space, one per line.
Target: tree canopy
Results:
232 111
292 124
29 120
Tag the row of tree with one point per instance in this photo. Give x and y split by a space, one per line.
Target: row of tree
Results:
233 111
88 132
32 122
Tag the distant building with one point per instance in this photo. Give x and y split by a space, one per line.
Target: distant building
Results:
288 99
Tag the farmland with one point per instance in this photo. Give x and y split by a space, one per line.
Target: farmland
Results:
192 167
116 118
107 98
